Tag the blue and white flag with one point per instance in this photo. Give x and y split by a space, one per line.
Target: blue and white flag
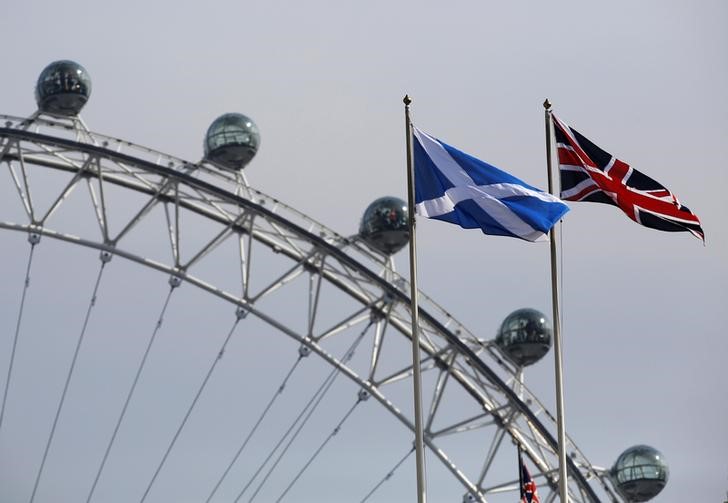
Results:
453 186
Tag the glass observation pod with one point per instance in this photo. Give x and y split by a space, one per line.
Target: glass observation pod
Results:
525 336
232 140
384 225
640 473
63 88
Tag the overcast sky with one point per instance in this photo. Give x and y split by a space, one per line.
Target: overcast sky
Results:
644 312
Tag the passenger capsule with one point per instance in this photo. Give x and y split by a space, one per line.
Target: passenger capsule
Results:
640 473
232 140
384 225
63 88
524 336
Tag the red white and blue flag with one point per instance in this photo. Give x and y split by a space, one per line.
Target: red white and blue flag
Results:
588 173
528 486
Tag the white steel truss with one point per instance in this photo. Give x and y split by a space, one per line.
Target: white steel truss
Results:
260 226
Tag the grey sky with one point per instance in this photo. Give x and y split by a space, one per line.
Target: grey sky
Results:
643 311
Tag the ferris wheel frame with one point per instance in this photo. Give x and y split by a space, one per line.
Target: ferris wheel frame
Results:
223 197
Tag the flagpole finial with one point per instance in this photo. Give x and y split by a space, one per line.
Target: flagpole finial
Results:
407 100
547 104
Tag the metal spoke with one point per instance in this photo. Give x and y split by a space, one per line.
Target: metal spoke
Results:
33 239
192 406
254 429
320 448
173 284
105 257
388 476
308 410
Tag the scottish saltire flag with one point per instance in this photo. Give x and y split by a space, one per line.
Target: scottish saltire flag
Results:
588 173
453 186
528 486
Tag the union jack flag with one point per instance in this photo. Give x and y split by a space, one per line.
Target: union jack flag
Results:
588 173
528 486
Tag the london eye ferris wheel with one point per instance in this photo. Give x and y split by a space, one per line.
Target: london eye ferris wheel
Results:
172 333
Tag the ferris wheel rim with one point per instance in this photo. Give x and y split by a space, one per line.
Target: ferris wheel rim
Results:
330 249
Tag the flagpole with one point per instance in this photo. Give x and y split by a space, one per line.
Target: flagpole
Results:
520 473
416 367
563 482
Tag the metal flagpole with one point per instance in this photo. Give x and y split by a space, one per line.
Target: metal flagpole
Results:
563 482
520 473
416 367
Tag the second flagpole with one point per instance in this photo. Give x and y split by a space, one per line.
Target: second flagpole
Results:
563 481
416 365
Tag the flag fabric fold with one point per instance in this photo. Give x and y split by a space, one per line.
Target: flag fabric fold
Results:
588 173
455 187
528 486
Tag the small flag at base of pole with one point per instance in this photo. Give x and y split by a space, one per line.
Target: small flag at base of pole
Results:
527 485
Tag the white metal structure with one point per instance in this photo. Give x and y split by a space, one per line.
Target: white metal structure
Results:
329 294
